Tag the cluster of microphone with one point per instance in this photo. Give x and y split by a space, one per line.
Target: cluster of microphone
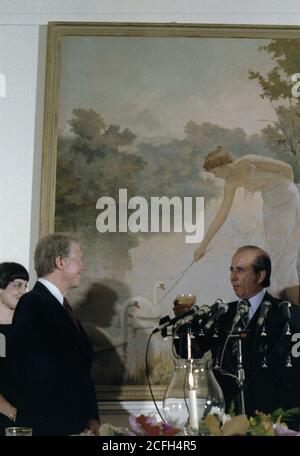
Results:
208 316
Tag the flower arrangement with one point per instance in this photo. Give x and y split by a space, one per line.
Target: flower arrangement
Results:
215 424
273 424
139 426
262 424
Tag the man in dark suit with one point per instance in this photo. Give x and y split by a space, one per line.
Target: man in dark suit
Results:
272 374
52 354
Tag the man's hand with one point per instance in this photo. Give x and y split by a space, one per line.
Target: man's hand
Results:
93 425
181 307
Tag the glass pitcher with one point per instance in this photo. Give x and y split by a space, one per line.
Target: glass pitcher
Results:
192 394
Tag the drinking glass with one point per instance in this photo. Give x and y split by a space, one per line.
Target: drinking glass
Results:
186 298
18 431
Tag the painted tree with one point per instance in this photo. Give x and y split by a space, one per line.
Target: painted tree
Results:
93 161
283 135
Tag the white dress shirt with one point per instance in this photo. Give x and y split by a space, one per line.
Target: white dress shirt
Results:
53 289
255 301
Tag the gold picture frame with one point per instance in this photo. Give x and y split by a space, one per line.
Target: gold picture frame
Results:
58 90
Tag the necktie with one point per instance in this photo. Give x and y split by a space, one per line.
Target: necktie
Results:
71 314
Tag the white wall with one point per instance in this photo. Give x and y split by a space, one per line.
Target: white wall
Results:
36 12
18 63
22 61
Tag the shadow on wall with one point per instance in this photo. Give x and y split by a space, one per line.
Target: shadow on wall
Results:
119 326
99 312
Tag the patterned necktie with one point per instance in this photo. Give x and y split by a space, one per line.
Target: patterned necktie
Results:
69 310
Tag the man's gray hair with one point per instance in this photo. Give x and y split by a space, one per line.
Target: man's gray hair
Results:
49 248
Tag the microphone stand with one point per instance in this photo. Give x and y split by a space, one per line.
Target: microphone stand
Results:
192 393
189 337
288 335
240 374
263 346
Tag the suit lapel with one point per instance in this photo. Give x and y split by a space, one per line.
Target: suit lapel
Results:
68 334
58 314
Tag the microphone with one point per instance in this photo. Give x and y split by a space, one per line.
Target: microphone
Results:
242 311
285 308
265 307
191 312
203 311
221 309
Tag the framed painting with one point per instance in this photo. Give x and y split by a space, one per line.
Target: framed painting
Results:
132 112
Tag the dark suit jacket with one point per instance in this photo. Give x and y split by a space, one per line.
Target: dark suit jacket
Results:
265 389
5 380
54 392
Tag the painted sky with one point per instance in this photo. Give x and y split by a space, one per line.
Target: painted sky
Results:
156 85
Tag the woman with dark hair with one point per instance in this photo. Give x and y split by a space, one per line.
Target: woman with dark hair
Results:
13 284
